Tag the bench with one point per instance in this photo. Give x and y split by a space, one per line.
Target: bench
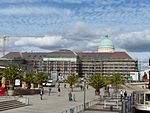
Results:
112 102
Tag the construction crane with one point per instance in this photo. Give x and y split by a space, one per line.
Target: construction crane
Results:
4 44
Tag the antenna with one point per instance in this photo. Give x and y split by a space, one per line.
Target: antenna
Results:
106 36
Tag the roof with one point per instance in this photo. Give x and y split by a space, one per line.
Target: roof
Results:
64 54
104 55
68 54
25 55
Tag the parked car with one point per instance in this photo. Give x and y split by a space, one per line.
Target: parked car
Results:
50 83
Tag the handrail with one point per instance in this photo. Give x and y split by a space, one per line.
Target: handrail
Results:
24 100
80 108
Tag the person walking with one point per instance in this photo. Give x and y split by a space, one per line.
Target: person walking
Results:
70 96
64 85
41 93
121 95
49 91
125 95
58 91
87 86
81 87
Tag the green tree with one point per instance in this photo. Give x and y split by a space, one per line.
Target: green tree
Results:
97 81
29 78
72 80
40 77
116 80
12 72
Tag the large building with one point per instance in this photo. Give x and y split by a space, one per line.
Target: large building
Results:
65 62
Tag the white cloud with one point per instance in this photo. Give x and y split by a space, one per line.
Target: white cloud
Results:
40 41
134 41
34 10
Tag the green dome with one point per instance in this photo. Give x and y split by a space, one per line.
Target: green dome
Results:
106 43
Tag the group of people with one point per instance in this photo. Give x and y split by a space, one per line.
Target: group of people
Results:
82 87
49 91
123 94
70 95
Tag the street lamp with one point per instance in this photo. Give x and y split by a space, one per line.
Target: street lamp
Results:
149 76
84 93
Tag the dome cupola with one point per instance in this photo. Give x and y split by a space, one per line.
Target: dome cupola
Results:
106 45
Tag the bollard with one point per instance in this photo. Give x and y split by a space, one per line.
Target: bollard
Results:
123 108
71 110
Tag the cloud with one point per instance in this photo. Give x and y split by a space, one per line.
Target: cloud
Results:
80 37
134 41
41 42
32 10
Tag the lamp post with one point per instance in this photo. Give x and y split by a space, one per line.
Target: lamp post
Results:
149 76
84 94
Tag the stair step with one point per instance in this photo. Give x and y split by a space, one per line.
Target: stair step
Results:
13 107
6 105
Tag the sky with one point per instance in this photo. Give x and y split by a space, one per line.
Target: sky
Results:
78 25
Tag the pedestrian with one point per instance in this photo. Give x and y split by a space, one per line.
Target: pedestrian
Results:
70 96
125 94
58 91
41 93
58 84
121 94
49 90
87 86
64 85
81 87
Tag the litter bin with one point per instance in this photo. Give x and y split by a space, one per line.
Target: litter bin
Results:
111 108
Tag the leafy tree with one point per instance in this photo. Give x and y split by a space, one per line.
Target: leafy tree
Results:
116 80
40 77
72 80
12 72
29 78
97 81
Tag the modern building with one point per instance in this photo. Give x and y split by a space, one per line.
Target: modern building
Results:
60 64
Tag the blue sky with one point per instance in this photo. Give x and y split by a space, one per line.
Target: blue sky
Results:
79 25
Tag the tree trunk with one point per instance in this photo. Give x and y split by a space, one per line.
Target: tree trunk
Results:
11 89
39 85
97 92
32 86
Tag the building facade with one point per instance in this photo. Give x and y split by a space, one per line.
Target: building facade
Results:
60 64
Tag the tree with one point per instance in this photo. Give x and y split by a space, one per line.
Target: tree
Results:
40 77
29 78
116 80
97 81
71 80
12 72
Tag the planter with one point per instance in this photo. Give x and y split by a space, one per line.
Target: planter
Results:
97 97
10 92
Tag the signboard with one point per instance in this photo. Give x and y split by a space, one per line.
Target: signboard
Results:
17 82
54 75
135 76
